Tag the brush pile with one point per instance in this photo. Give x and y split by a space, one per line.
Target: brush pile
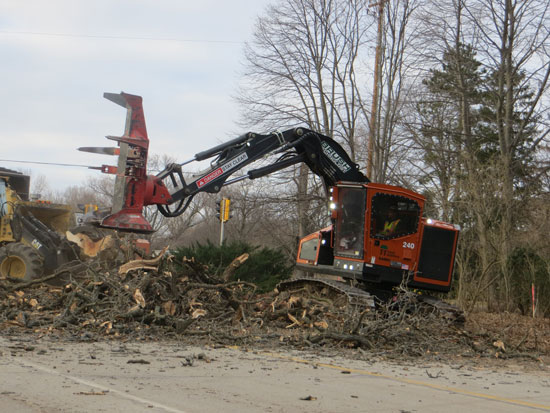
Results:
151 299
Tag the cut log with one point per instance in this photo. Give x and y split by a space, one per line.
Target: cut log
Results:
231 268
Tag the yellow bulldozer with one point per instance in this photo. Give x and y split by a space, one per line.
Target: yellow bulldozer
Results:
32 232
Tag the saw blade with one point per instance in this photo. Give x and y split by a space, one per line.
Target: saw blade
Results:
100 150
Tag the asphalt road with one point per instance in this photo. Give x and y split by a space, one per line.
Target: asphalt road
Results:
43 375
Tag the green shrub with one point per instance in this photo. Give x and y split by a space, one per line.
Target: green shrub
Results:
265 267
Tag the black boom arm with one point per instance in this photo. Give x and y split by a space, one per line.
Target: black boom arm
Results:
323 155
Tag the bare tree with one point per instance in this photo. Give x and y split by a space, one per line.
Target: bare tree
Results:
515 49
301 68
479 140
453 178
391 139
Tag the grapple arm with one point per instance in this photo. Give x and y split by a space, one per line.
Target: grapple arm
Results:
134 189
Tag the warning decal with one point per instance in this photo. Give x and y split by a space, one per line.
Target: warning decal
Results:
222 169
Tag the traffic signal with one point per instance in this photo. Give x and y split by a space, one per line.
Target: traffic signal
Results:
226 210
223 214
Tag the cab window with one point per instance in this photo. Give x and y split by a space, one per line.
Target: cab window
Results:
350 225
393 216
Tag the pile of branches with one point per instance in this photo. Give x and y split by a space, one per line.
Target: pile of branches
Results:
151 299
404 325
140 297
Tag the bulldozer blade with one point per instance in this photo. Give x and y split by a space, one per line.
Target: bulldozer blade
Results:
100 150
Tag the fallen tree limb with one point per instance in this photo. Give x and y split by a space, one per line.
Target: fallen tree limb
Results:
151 264
234 266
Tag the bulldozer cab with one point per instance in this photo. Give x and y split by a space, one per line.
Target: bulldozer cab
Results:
15 201
14 188
18 182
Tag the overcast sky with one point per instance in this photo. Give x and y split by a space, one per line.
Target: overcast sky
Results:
59 56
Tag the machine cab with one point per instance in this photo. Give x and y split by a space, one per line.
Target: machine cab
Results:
377 224
377 235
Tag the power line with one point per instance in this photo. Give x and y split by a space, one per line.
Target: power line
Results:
111 37
48 163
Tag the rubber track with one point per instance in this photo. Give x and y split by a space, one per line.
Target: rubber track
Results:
447 310
356 297
361 298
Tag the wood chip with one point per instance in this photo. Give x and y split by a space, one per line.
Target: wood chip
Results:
138 297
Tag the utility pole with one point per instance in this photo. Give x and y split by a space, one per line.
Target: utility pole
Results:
377 68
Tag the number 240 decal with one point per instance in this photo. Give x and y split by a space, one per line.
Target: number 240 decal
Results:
408 245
